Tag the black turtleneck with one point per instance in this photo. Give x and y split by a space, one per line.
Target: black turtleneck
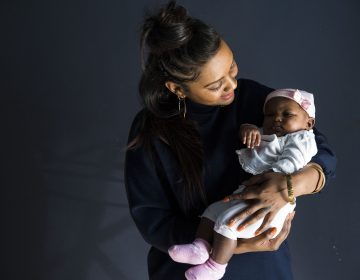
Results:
154 203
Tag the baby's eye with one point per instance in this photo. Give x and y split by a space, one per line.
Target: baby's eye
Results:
288 114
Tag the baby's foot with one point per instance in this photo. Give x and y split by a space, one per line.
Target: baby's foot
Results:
193 253
210 270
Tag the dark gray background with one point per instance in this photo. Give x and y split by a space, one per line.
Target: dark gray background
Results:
68 84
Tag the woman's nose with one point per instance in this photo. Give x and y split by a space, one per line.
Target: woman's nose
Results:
231 84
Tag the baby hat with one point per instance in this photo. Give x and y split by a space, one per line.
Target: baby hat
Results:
303 98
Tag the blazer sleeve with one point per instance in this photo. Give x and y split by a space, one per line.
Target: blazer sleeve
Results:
325 157
153 205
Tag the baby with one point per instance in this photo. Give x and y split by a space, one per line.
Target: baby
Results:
286 143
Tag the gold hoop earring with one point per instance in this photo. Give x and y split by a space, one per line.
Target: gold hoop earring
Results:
182 100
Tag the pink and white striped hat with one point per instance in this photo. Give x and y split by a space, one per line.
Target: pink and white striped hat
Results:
303 98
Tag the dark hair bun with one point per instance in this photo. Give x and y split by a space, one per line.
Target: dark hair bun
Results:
167 30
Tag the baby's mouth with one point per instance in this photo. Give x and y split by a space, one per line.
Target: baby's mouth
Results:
278 130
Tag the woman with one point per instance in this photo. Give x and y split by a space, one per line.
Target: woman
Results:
181 154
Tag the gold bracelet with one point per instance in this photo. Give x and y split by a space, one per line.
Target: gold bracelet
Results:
322 179
290 190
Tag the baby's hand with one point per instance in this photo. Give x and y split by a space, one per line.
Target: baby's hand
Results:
250 135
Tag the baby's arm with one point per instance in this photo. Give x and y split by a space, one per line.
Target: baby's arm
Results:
250 135
298 150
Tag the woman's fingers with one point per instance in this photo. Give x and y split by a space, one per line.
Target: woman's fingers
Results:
248 211
258 215
265 237
266 242
232 197
266 222
276 242
258 243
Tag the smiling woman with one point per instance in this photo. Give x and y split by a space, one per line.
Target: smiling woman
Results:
181 152
221 70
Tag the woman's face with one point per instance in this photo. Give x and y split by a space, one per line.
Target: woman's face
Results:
283 116
217 80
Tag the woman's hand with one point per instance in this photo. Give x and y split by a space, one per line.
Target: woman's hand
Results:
263 242
266 194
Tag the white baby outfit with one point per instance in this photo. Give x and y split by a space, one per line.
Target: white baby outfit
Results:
285 154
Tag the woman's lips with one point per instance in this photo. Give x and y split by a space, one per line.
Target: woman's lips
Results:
227 96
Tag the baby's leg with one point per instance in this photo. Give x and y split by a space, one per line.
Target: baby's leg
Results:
196 252
214 267
205 230
223 248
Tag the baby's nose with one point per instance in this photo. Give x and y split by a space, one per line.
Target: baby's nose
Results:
277 118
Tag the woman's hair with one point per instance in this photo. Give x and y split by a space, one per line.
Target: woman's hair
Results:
177 46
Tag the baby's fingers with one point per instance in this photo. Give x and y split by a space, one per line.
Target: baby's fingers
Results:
251 139
246 138
258 139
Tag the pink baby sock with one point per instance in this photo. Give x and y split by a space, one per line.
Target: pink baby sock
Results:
192 253
210 270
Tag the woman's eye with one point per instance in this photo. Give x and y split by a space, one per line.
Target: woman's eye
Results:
216 89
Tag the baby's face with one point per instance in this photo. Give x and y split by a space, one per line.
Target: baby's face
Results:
283 116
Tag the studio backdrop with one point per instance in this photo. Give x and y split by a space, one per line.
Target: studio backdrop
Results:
68 87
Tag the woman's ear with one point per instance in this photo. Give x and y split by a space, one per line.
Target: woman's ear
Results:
310 123
175 89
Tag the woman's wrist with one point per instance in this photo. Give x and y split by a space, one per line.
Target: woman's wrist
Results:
306 181
241 249
322 179
290 189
